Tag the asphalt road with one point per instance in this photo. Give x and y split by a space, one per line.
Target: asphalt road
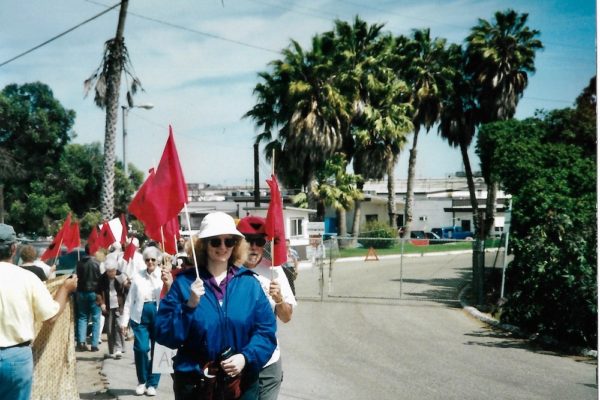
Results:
376 336
393 329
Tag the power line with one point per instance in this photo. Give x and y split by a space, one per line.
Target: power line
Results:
184 28
60 35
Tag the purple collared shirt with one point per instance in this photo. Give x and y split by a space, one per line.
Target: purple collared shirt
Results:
220 289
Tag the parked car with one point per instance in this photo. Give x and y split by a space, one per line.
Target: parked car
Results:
453 232
66 263
433 238
417 235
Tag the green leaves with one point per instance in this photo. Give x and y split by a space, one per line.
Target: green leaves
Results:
44 176
545 163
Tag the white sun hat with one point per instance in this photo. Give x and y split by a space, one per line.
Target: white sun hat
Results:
217 223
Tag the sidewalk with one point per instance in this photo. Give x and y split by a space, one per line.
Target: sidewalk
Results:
100 377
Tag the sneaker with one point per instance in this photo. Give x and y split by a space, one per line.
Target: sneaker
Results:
118 355
151 391
94 348
81 347
140 389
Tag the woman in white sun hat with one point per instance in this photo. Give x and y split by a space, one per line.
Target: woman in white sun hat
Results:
221 323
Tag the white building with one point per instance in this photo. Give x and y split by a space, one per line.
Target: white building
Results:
441 202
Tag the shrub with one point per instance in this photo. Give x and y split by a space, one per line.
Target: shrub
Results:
378 235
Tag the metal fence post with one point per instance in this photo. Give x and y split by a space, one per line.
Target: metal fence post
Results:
401 264
478 270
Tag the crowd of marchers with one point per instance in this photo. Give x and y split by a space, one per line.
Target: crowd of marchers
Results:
216 301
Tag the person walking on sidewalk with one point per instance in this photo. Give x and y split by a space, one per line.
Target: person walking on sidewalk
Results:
221 323
111 299
88 274
140 312
281 298
24 300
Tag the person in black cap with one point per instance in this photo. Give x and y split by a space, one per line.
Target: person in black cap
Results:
24 300
281 298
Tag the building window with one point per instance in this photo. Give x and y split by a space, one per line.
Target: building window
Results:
465 225
371 217
296 227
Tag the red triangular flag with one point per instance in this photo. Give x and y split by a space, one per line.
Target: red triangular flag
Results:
53 250
168 237
74 240
129 251
274 227
168 192
106 238
124 230
93 241
141 205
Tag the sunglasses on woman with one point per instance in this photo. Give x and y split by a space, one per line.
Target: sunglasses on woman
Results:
150 259
257 241
216 242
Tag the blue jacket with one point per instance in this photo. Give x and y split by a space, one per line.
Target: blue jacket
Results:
245 322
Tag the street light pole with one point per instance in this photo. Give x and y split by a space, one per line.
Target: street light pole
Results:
125 113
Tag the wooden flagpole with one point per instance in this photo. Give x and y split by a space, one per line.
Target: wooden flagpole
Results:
187 217
271 199
59 251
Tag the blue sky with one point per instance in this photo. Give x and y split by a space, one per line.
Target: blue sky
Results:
198 62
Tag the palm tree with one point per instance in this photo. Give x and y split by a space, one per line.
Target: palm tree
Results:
314 104
107 80
499 58
380 133
458 121
378 97
420 62
300 101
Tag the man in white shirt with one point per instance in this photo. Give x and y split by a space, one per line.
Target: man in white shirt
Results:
278 291
24 300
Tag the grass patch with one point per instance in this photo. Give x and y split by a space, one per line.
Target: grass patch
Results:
408 248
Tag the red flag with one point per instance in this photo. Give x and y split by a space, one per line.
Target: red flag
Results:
141 205
274 227
106 238
73 240
129 251
53 250
124 230
168 237
168 192
93 241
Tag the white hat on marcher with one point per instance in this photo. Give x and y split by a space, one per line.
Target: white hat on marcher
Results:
217 223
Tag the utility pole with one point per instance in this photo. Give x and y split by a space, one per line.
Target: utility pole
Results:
1 203
256 184
113 83
125 112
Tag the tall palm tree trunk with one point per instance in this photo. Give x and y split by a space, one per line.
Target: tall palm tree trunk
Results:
342 228
478 273
490 208
477 216
410 195
107 196
356 217
391 195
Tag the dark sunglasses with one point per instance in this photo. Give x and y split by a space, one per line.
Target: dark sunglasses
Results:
216 242
150 259
260 241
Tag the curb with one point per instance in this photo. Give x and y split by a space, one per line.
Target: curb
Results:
547 340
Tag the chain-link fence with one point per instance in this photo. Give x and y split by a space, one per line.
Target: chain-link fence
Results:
404 269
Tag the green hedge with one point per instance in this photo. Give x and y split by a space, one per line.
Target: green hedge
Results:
378 235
